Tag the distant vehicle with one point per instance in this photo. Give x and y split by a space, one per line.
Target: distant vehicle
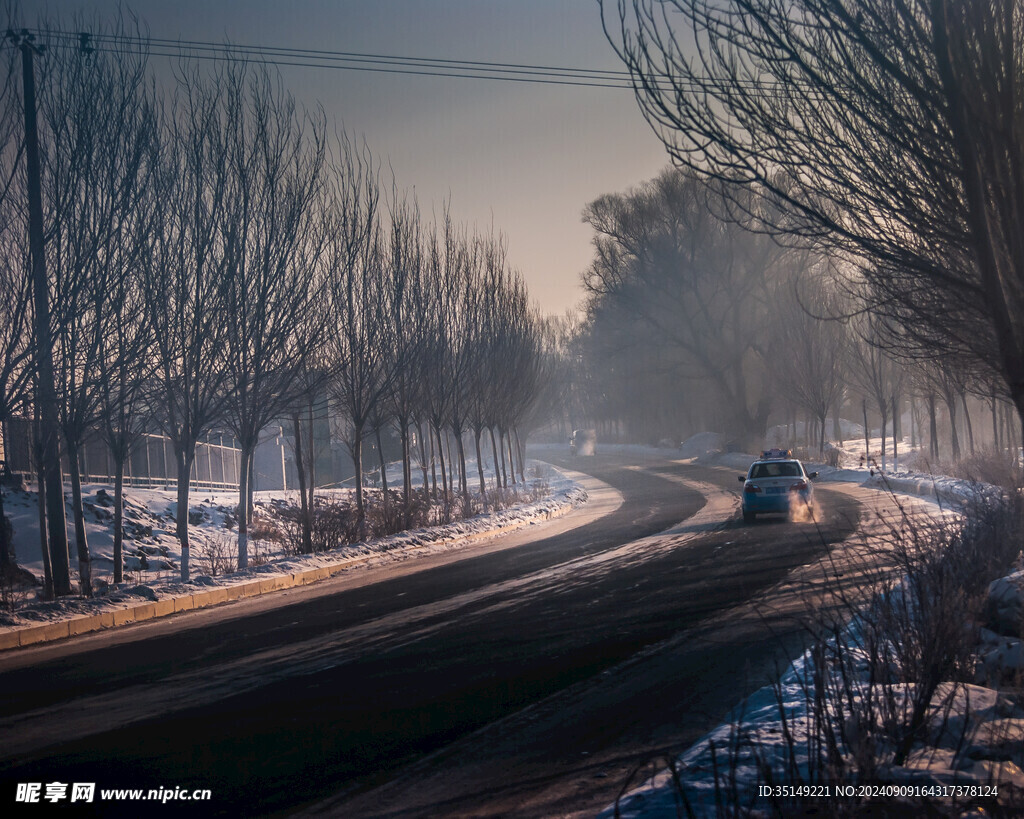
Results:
776 482
583 442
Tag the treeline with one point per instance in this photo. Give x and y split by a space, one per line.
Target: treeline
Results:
692 305
215 256
903 173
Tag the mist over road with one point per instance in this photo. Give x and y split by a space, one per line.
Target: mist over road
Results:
524 676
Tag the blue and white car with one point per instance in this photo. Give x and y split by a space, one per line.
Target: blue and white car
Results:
776 482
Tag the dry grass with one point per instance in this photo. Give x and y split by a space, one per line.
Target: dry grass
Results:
886 687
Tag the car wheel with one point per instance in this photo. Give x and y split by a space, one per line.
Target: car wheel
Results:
749 517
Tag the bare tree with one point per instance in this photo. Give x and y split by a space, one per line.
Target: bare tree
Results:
444 259
15 347
126 362
354 261
272 241
51 520
884 129
664 259
806 354
488 368
876 374
15 308
97 127
126 369
186 280
408 301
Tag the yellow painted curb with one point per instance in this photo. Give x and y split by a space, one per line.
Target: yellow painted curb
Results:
44 634
147 611
164 607
9 639
212 597
122 616
81 625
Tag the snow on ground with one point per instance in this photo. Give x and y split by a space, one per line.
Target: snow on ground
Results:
152 552
975 735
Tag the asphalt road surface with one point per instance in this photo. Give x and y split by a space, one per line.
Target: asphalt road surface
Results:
529 676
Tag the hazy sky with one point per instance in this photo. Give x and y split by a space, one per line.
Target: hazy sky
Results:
527 156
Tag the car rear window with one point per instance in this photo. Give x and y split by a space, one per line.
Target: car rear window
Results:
784 469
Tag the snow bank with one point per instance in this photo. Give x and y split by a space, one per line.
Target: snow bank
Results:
947 491
152 549
973 735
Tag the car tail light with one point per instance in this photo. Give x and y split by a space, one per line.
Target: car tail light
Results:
751 488
799 486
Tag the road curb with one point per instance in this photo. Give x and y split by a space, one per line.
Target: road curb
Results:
22 636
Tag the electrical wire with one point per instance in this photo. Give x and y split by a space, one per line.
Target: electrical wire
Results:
343 60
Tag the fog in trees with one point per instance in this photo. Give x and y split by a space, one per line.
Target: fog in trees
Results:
883 137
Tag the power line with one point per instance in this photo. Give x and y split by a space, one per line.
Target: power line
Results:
376 63
351 61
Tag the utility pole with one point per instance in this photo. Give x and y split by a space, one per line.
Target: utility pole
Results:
46 391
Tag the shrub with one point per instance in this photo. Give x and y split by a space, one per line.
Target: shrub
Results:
885 684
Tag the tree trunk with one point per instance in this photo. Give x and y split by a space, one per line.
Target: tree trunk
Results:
933 428
885 426
995 422
867 433
6 546
119 520
305 521
967 422
78 514
915 427
433 460
184 461
477 432
439 452
357 461
423 456
383 467
954 437
403 431
494 449
508 444
461 452
451 461
244 474
895 434
311 459
44 541
252 480
6 553
521 454
501 448
511 456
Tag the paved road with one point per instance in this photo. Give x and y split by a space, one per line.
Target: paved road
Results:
364 698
